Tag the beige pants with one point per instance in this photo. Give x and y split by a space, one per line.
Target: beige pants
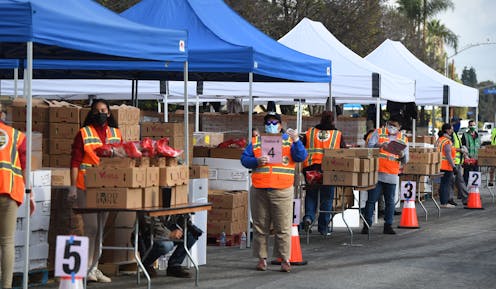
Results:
272 207
90 224
8 214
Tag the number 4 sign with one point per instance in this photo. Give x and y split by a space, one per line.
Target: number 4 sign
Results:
408 190
272 147
474 179
71 256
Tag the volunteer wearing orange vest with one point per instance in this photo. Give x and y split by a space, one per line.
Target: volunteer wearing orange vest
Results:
272 190
316 139
12 190
99 128
389 168
448 151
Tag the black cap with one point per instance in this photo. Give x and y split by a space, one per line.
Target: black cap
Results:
272 115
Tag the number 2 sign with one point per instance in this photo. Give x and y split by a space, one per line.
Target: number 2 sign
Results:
71 256
474 179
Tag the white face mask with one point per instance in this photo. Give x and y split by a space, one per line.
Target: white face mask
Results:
272 128
392 129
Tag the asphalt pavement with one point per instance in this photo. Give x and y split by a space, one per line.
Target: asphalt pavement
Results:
456 250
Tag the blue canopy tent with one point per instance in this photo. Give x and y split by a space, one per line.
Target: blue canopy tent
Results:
77 29
11 64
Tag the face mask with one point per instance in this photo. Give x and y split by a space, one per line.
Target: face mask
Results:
100 118
472 128
272 128
392 129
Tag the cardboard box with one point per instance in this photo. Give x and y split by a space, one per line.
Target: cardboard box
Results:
199 151
151 197
152 176
113 198
346 179
485 161
41 127
125 114
181 194
162 129
121 178
488 151
17 111
227 215
169 176
36 159
226 199
63 130
61 177
226 153
117 163
41 178
417 168
348 164
351 153
207 139
230 228
198 172
60 161
130 132
61 146
42 193
63 112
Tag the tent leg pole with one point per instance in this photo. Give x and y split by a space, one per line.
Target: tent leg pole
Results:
186 120
16 80
378 113
197 113
250 137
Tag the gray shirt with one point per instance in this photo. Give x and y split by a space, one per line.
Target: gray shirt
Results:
374 143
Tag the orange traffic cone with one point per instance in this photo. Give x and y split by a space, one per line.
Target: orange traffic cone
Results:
71 283
296 256
409 216
474 199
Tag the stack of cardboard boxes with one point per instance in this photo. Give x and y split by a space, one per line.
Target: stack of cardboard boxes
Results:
64 124
423 161
487 156
229 214
39 225
174 131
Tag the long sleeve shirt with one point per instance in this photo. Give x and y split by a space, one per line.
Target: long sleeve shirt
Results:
77 152
374 143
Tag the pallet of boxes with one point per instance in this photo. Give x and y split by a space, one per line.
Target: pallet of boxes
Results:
347 169
424 163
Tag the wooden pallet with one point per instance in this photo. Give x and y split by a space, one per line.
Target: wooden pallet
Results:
231 240
36 277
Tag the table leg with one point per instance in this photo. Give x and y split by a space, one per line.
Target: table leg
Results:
434 199
490 189
185 244
136 255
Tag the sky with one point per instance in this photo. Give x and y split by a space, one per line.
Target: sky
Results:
474 22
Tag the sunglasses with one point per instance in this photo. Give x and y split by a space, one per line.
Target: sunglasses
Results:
273 122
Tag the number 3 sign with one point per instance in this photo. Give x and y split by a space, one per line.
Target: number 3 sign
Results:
71 256
408 190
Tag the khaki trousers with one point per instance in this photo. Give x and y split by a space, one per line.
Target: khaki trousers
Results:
8 214
272 206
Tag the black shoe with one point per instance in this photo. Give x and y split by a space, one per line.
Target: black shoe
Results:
396 213
365 230
388 229
452 202
151 271
306 224
490 184
178 272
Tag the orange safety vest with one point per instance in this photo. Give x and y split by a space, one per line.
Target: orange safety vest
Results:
389 163
91 141
273 176
317 141
441 142
11 177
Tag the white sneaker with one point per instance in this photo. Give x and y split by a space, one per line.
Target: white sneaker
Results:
96 275
447 206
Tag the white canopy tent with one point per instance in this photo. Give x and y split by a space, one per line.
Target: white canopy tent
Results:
352 75
432 88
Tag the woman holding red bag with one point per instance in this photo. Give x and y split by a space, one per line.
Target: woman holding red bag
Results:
99 129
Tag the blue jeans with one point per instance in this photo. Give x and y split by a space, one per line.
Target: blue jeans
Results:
373 196
445 188
326 198
163 247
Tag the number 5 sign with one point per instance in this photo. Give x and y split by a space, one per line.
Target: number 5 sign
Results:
71 256
408 190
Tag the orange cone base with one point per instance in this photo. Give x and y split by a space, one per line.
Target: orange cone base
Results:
69 283
474 200
409 216
296 256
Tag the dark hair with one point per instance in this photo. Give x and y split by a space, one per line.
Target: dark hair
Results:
396 118
444 128
367 134
327 118
89 117
272 115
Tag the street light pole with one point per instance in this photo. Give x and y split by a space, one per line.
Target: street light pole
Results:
472 45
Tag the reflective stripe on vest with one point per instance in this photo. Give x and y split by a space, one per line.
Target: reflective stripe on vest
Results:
273 176
317 141
91 141
441 143
11 175
389 163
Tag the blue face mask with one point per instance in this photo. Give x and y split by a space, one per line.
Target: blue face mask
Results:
272 128
456 127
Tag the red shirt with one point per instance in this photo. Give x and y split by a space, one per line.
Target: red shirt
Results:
78 145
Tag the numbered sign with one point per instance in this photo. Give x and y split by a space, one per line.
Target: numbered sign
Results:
474 179
272 147
71 256
408 190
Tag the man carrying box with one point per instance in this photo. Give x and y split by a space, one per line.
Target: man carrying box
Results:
390 159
